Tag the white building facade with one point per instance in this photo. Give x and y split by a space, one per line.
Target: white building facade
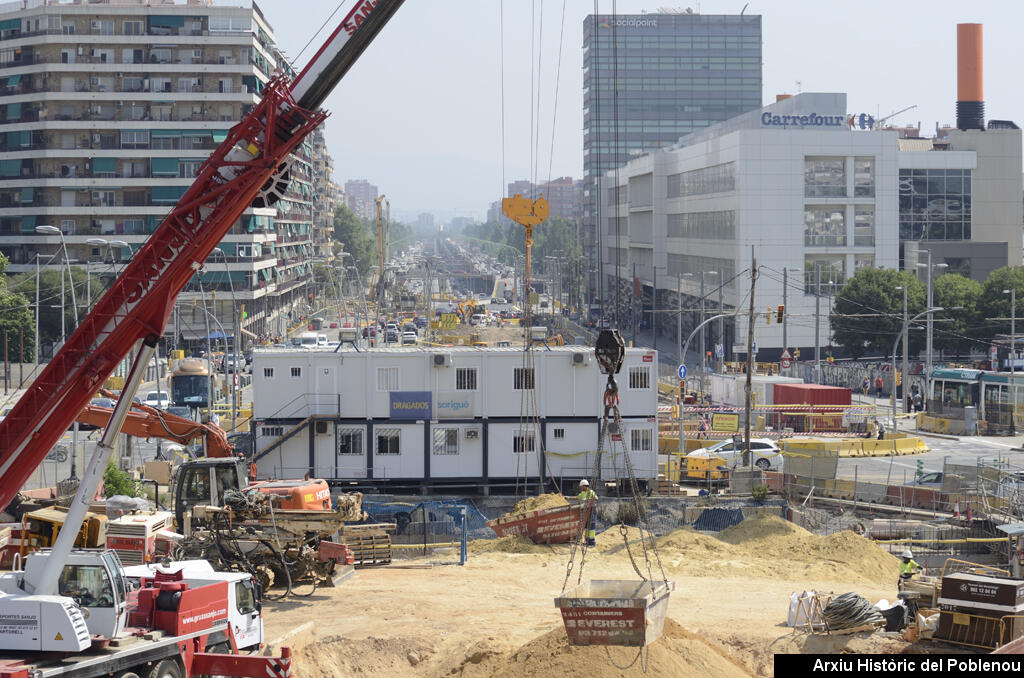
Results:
451 417
798 184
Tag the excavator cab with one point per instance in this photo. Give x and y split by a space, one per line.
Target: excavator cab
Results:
202 482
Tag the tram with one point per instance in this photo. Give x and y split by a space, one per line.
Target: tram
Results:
997 396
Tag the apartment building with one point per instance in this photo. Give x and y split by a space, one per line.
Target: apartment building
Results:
107 110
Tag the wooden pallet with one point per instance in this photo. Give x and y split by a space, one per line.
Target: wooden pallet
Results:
369 550
371 529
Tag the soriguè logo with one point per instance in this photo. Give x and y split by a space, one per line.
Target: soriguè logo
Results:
628 23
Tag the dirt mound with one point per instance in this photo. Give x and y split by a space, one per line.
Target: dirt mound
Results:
337 656
511 544
677 653
761 528
539 502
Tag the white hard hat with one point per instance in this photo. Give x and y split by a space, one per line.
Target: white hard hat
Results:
584 483
908 554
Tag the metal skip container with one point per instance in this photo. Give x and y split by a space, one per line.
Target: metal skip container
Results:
615 612
558 525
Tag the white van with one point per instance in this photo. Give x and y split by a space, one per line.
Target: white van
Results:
478 319
321 340
309 340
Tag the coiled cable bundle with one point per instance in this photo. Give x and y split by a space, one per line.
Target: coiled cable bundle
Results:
850 610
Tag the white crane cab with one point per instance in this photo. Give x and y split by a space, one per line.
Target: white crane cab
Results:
92 600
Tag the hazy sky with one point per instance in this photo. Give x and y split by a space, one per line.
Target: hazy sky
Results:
420 113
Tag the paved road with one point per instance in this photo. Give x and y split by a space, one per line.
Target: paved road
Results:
967 450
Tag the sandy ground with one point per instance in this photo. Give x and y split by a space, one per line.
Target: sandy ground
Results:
496 615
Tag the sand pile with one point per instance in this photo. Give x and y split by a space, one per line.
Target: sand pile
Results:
511 544
539 502
761 545
677 653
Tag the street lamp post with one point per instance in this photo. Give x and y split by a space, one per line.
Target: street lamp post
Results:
906 358
686 345
1013 347
53 230
929 334
906 325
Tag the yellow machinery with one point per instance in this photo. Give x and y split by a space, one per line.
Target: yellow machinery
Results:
39 529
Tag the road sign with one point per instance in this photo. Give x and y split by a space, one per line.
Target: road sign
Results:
719 351
754 348
786 355
681 372
449 321
993 351
786 362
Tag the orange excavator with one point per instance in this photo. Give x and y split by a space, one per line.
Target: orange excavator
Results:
204 481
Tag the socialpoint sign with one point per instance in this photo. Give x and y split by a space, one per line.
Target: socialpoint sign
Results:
628 23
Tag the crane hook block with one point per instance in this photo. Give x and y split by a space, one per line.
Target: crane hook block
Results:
610 351
524 211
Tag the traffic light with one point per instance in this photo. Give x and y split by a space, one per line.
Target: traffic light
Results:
709 355
780 314
920 467
899 377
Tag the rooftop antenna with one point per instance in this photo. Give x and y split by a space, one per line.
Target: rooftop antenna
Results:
744 8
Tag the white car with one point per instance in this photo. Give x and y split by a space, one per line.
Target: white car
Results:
158 399
767 454
408 338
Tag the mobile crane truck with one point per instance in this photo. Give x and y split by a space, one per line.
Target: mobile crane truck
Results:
68 613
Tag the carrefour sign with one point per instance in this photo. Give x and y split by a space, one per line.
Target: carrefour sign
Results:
808 120
855 121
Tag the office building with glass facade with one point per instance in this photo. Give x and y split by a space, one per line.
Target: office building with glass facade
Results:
816 198
675 74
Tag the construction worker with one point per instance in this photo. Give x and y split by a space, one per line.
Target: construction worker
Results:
908 568
584 495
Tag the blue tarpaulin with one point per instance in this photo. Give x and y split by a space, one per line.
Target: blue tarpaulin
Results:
716 519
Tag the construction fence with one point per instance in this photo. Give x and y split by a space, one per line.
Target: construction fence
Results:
439 528
956 518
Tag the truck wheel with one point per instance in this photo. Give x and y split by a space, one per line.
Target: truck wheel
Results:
167 668
127 674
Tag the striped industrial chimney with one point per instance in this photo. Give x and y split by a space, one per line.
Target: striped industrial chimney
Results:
970 102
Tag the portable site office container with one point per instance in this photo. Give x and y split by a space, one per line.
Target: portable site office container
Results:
446 416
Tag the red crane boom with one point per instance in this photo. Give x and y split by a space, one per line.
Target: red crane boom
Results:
139 303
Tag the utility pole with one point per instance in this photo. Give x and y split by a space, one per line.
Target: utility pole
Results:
750 356
785 314
905 365
681 357
654 306
721 323
703 348
817 325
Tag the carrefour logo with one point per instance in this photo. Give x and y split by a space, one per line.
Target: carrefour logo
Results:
628 23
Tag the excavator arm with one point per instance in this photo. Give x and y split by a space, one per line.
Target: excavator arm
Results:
146 422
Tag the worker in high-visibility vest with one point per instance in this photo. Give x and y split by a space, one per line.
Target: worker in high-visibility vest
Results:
586 494
908 568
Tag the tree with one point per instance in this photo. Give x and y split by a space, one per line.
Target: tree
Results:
353 234
16 319
994 310
50 299
953 327
867 314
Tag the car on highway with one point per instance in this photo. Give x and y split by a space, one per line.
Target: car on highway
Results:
391 337
99 402
931 479
158 399
408 338
767 454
